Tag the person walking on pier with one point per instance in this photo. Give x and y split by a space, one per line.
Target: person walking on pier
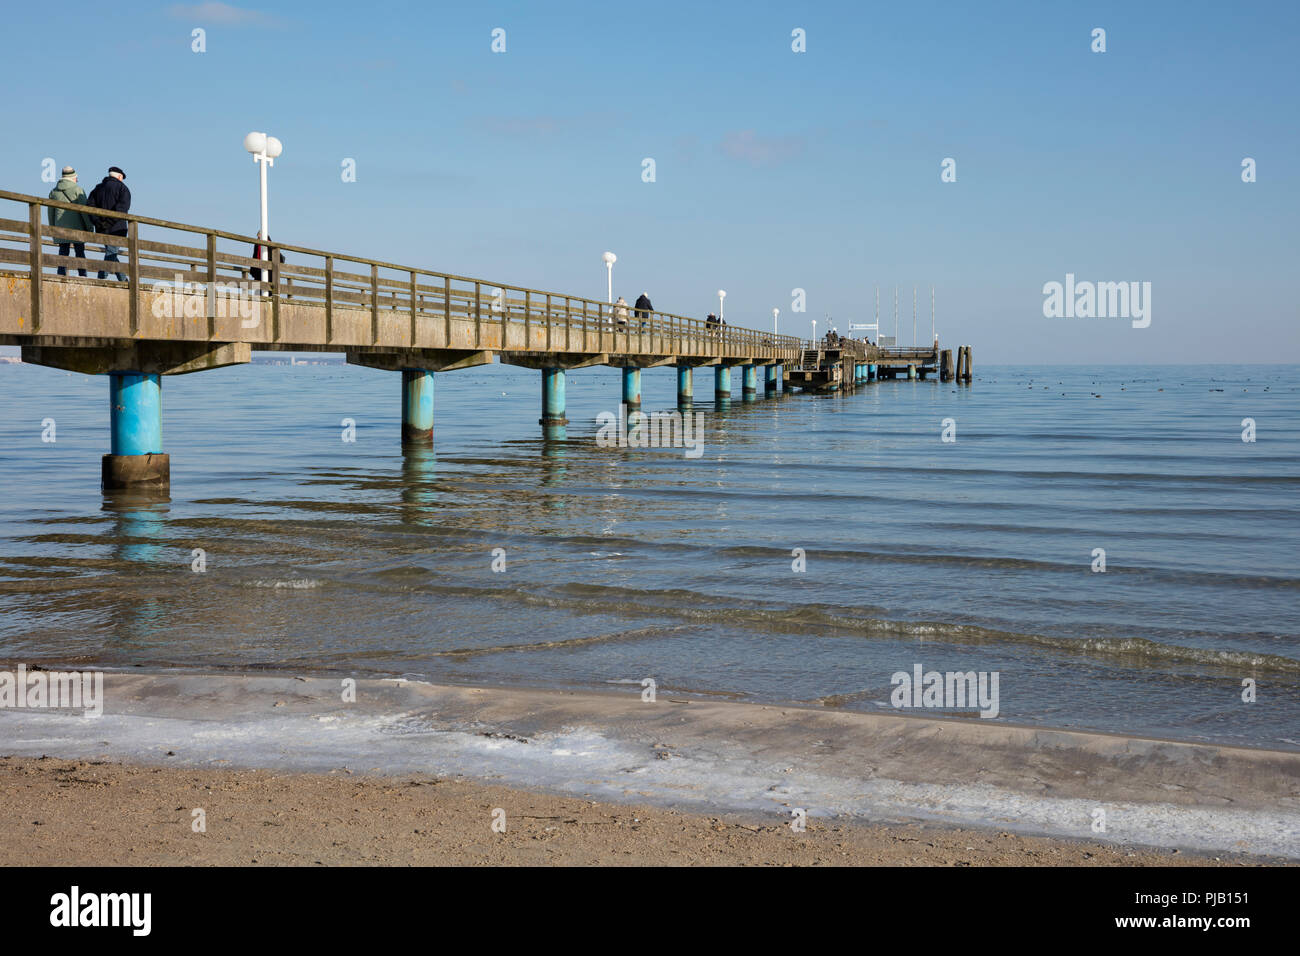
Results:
113 196
620 312
255 272
643 308
67 190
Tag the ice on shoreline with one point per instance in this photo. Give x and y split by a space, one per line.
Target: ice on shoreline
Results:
701 755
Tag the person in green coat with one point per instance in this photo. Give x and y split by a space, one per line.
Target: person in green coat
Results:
67 190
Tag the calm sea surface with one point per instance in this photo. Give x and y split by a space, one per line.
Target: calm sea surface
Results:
620 564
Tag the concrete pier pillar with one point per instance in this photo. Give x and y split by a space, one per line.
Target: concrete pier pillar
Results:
632 388
911 373
685 386
966 373
872 373
771 376
721 383
749 383
135 420
945 365
417 406
552 398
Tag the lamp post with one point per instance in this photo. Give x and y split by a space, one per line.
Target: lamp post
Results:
609 259
265 149
722 295
775 313
814 338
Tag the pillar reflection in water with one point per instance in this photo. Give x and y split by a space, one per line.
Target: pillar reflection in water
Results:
554 460
419 472
139 542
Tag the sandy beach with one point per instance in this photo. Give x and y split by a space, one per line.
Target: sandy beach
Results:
80 813
287 770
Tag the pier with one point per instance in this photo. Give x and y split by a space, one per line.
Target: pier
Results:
190 303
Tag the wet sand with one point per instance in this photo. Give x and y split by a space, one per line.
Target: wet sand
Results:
82 813
290 771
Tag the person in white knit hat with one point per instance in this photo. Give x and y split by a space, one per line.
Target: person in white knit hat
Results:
67 190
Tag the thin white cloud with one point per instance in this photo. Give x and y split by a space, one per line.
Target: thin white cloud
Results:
747 146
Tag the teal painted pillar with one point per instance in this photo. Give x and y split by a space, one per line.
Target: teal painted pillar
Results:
417 406
685 386
552 398
861 372
135 433
872 374
911 372
135 413
749 387
769 378
721 383
632 388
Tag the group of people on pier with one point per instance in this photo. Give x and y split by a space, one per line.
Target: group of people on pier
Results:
111 195
640 311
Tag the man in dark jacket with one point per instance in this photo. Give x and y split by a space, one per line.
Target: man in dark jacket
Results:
642 308
111 195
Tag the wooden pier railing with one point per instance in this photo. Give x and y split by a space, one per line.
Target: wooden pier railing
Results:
158 253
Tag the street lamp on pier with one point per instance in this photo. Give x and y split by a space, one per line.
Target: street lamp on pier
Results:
265 149
609 260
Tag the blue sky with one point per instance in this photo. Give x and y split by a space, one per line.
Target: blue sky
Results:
775 170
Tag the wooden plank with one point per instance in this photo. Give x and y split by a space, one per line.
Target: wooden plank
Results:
23 258
413 309
272 262
34 262
212 291
189 252
329 299
374 305
67 235
133 273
